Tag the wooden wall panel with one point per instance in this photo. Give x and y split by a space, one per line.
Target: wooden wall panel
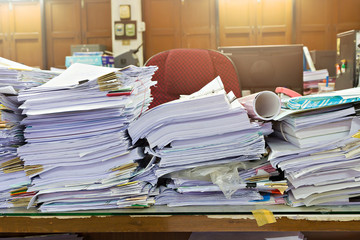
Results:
162 18
274 22
63 29
236 22
198 24
26 36
179 24
347 15
315 24
96 22
253 22
4 31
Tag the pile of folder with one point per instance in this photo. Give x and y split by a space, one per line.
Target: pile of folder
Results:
319 152
207 150
78 154
14 182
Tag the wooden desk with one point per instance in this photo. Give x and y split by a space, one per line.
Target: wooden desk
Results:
183 219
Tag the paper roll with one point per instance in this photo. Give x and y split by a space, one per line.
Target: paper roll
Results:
263 105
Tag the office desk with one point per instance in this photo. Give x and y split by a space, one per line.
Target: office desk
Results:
181 219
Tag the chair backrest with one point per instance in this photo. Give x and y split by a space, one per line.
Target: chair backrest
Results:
184 71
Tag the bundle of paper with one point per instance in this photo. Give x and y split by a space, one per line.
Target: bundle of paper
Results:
319 155
298 236
20 76
309 128
78 153
14 182
205 136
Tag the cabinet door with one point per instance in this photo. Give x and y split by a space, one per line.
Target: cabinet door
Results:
198 24
26 38
179 24
347 15
63 29
162 18
237 22
274 22
96 22
314 24
4 31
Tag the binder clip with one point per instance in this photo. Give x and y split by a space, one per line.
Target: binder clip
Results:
285 94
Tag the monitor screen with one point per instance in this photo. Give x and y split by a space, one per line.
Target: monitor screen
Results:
265 67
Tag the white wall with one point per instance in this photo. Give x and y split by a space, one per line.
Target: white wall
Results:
118 46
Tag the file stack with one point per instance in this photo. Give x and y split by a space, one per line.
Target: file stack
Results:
319 155
201 141
78 153
14 182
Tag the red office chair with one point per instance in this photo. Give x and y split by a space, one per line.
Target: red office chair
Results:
184 71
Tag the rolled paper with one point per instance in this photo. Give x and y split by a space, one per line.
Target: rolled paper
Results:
265 105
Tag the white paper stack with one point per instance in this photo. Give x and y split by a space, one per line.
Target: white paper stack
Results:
20 76
319 155
78 153
298 236
14 182
204 136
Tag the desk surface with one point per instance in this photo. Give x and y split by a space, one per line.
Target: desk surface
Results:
182 219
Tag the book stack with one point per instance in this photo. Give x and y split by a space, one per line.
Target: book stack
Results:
201 141
78 154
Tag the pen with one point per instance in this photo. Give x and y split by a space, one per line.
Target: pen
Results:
327 81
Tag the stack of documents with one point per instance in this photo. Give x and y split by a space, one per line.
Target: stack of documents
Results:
20 76
14 182
312 80
319 153
78 153
205 136
298 236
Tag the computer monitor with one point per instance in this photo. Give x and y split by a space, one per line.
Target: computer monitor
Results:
265 67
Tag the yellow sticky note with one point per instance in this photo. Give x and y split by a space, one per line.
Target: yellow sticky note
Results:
356 135
263 216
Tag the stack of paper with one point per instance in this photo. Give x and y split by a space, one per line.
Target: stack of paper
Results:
308 129
319 155
14 182
312 80
20 76
78 153
298 236
205 136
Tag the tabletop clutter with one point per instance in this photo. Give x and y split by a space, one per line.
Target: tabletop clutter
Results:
86 140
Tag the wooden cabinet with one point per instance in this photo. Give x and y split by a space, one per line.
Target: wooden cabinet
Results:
315 24
179 24
20 37
318 22
70 22
255 22
346 15
4 31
